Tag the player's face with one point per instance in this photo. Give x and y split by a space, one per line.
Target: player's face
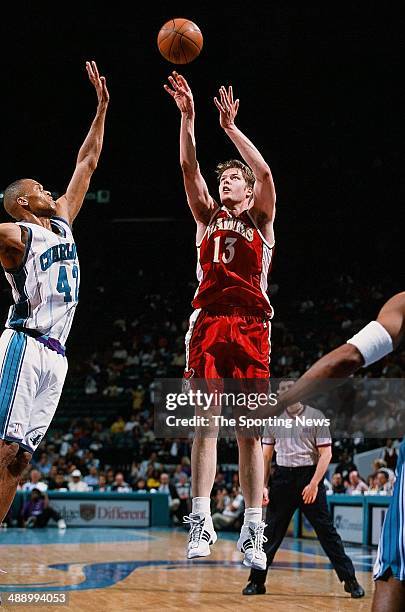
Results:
37 200
233 189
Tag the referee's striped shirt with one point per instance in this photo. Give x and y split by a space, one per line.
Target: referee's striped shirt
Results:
298 446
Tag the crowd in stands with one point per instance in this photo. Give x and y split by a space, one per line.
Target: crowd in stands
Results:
55 473
347 480
102 437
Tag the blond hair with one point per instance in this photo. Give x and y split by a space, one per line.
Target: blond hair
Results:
235 163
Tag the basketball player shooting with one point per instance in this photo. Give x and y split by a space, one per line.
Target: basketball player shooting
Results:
370 344
39 257
229 333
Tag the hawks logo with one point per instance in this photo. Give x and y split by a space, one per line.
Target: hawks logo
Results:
87 511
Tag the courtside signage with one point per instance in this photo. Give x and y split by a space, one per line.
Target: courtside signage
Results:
104 513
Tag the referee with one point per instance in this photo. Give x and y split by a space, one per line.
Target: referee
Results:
301 462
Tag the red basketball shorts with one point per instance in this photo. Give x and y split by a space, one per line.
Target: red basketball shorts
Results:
227 346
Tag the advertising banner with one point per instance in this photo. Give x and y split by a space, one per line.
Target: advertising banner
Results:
348 520
104 513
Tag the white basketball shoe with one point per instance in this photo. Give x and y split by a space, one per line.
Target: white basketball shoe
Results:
201 535
250 542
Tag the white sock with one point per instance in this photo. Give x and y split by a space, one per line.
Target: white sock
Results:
253 515
201 505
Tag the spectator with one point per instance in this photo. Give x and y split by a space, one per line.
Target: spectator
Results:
44 465
338 486
90 385
92 477
134 473
389 455
138 397
52 475
152 478
219 499
140 486
184 493
235 479
219 480
65 446
380 464
118 426
59 483
77 484
232 511
129 425
119 485
35 482
147 434
186 465
102 486
372 484
173 497
146 463
37 511
357 486
345 465
178 474
110 477
382 482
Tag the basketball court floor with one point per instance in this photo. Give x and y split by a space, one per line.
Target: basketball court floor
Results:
138 569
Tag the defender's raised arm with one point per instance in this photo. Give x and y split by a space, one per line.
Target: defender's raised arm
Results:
71 202
373 342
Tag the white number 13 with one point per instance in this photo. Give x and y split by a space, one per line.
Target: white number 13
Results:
229 253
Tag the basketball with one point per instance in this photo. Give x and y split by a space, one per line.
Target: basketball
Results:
180 41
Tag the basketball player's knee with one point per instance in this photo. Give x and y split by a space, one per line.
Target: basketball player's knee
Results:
248 442
386 597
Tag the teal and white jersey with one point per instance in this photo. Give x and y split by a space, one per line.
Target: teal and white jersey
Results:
46 285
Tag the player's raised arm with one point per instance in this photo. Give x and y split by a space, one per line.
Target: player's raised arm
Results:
369 345
70 203
202 205
264 194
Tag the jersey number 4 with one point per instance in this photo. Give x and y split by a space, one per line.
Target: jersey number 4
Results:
229 250
63 285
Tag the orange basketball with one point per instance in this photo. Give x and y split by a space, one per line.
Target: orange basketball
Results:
180 41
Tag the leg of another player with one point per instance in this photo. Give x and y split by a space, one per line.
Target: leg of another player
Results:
13 462
389 595
251 474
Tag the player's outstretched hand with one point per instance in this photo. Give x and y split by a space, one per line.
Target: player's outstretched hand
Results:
265 500
181 93
228 108
99 83
310 492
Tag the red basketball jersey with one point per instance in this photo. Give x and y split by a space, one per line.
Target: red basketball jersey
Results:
233 264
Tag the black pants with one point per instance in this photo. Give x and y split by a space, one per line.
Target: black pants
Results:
43 518
285 494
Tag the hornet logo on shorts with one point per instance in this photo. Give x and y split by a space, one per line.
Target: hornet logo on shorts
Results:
35 439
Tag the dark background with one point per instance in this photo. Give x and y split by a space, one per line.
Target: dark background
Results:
320 86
